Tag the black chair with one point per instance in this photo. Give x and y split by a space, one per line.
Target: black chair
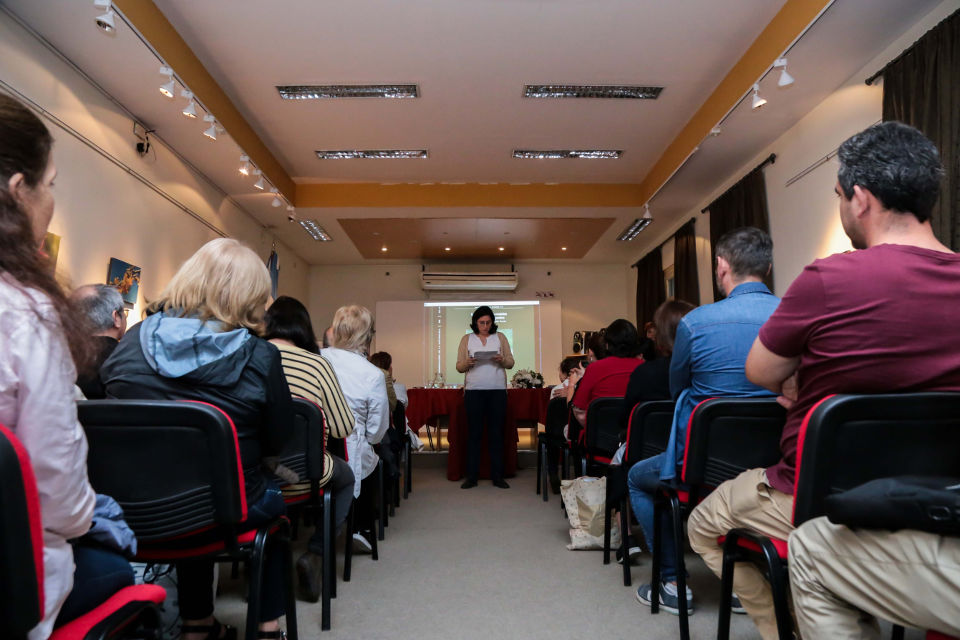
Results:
174 468
130 610
601 436
551 441
400 429
648 433
725 437
304 453
846 441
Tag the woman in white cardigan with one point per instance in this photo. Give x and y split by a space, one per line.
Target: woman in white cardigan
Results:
42 339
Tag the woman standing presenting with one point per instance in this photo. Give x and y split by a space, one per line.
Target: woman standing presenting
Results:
483 356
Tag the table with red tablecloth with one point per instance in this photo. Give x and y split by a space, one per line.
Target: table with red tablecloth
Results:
522 404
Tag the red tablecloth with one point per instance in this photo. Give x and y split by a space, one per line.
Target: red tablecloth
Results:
522 404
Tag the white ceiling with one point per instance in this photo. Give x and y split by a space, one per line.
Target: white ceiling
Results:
471 59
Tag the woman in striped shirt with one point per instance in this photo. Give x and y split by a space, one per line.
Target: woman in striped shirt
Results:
310 376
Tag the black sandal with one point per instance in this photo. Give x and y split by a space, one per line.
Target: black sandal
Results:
212 630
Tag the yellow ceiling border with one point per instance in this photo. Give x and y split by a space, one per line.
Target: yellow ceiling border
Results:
157 30
468 195
789 23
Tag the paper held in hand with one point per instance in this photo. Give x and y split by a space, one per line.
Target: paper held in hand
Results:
485 356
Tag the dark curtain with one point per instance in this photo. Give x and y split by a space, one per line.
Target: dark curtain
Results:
922 88
651 290
742 205
686 282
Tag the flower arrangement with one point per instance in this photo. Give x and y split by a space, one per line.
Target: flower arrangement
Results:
527 379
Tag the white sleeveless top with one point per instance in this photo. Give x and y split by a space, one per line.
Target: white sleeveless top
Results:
485 374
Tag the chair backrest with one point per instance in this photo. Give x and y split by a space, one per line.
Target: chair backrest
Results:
848 440
173 466
727 436
303 451
602 437
21 541
556 414
400 418
648 430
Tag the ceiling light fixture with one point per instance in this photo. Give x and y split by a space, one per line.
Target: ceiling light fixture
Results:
501 248
320 92
646 212
383 249
315 230
636 226
375 154
556 154
446 248
785 78
757 100
628 91
716 131
167 88
103 5
212 131
260 183
190 110
108 21
563 248
277 202
244 165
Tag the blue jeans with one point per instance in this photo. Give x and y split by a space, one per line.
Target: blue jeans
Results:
643 479
99 574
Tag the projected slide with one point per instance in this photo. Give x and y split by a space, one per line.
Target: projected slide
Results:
448 322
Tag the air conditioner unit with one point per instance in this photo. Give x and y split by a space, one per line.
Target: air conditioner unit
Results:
468 281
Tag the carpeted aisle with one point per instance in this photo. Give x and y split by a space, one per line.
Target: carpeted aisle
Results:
485 564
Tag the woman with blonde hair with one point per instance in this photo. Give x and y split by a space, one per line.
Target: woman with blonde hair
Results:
201 342
364 385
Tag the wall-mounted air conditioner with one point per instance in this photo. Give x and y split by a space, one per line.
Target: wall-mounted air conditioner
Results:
468 281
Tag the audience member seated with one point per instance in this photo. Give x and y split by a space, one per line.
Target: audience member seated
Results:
310 376
201 343
651 380
567 365
556 432
879 319
384 362
44 343
843 579
364 385
392 443
102 307
709 352
648 341
608 377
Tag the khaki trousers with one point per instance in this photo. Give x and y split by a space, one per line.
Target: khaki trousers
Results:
843 579
745 501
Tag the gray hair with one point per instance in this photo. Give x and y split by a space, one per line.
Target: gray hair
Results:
97 302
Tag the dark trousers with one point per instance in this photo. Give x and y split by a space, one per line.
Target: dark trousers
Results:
195 576
99 574
341 484
485 406
368 503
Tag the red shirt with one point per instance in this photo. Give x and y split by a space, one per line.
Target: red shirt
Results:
605 378
880 320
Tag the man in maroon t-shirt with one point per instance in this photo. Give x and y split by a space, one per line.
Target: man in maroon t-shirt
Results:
879 319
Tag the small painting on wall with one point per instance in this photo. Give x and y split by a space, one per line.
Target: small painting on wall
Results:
126 278
51 249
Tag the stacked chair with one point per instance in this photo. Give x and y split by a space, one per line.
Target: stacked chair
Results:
184 496
725 436
846 441
130 611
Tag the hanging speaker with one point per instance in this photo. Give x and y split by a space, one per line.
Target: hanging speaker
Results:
577 342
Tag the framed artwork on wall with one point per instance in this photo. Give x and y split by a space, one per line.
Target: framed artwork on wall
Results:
126 278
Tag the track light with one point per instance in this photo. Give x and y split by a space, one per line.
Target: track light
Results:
716 131
785 78
190 110
244 165
276 202
757 100
646 212
212 131
103 5
107 21
259 184
168 87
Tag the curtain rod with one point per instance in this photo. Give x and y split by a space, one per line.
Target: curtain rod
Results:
869 81
772 158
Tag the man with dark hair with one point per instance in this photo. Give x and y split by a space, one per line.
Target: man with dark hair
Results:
709 352
102 308
857 322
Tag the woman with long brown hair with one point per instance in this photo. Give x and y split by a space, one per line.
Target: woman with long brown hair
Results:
43 345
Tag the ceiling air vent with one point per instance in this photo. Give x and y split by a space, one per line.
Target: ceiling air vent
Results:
463 281
622 91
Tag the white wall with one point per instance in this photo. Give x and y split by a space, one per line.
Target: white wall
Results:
101 210
591 296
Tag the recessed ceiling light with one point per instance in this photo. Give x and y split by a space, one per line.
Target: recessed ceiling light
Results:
556 154
384 249
320 92
315 230
502 248
628 91
351 154
563 248
446 248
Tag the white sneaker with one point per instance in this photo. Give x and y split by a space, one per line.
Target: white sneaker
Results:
361 544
